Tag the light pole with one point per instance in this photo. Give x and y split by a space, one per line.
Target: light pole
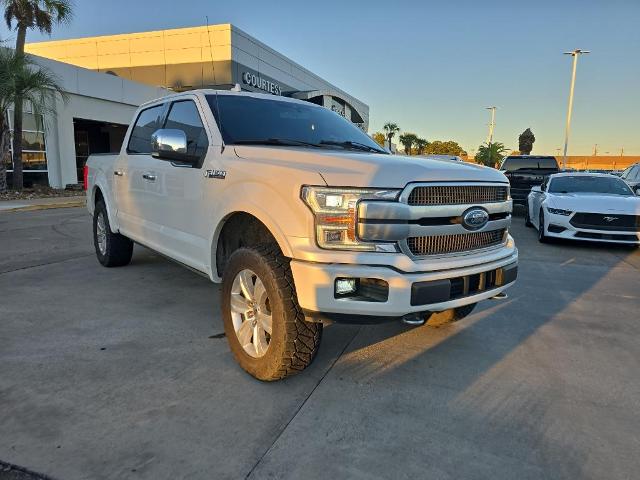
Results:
492 125
575 54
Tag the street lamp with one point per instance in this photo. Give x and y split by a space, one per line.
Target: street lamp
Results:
492 124
575 54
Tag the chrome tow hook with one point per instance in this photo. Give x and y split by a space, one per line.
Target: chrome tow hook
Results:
414 319
500 296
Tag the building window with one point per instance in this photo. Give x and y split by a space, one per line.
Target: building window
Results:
338 107
34 154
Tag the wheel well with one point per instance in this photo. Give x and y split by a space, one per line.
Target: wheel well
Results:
240 230
97 196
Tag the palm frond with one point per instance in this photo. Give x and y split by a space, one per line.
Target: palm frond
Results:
40 14
20 76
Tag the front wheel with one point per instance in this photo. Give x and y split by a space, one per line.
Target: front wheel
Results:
527 217
263 322
542 237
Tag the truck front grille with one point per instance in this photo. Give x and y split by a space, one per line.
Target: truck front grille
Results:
464 242
457 194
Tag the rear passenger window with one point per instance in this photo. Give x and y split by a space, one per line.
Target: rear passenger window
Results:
184 116
147 122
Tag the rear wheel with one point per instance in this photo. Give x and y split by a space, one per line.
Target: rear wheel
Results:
542 237
112 249
263 322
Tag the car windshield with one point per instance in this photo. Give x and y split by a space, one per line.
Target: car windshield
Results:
246 120
586 184
527 163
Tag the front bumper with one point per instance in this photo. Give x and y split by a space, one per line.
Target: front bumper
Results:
559 226
408 293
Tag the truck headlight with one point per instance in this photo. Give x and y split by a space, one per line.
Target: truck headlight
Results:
559 211
336 215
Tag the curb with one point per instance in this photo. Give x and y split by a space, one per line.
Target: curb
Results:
46 206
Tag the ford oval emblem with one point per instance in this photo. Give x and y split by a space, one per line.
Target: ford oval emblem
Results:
475 218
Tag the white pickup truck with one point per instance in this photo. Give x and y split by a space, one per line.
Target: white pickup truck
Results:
302 217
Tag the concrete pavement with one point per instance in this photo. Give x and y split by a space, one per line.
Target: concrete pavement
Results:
121 373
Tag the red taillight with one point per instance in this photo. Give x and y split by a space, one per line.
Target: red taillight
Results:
85 177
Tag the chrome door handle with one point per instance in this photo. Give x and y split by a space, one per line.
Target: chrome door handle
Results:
118 173
149 176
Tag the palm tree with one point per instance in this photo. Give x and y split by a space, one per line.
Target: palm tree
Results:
379 138
490 154
390 129
21 78
408 140
420 144
30 14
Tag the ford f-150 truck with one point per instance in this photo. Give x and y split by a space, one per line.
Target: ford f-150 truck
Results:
303 218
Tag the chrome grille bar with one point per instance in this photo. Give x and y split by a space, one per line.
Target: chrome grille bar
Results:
445 244
457 194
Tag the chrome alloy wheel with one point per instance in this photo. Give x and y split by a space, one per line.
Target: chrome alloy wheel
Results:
101 234
251 313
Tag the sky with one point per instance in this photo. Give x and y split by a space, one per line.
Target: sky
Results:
433 66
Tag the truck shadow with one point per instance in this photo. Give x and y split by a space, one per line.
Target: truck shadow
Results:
505 378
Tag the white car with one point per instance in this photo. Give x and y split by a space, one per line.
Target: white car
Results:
584 206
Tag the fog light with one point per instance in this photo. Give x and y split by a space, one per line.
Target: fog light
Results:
555 228
345 286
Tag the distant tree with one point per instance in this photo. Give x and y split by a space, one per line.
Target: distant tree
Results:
408 140
390 129
490 154
21 78
420 144
27 15
525 141
380 138
449 147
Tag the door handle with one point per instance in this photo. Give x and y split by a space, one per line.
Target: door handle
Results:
118 173
149 176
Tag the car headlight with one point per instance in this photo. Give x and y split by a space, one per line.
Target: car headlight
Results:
336 215
559 211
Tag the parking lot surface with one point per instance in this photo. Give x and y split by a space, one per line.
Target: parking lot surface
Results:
123 373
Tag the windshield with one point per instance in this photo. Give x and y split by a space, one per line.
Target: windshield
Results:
585 184
245 120
527 163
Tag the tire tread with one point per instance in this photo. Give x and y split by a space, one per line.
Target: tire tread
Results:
119 247
302 338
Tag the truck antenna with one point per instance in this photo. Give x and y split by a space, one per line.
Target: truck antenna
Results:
213 65
215 83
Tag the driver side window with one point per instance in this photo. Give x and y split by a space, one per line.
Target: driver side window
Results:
184 116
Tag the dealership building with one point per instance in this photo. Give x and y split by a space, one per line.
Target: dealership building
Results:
108 77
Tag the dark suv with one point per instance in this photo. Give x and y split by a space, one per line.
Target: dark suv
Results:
526 171
632 176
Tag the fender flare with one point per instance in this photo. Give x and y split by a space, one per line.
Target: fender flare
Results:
262 216
101 184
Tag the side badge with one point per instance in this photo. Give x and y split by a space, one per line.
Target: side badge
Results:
220 174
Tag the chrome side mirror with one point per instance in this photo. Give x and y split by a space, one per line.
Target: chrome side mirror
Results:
170 144
537 189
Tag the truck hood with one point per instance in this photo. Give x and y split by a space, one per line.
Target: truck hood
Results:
362 169
595 203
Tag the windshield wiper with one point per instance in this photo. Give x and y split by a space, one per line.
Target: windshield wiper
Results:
277 141
353 145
